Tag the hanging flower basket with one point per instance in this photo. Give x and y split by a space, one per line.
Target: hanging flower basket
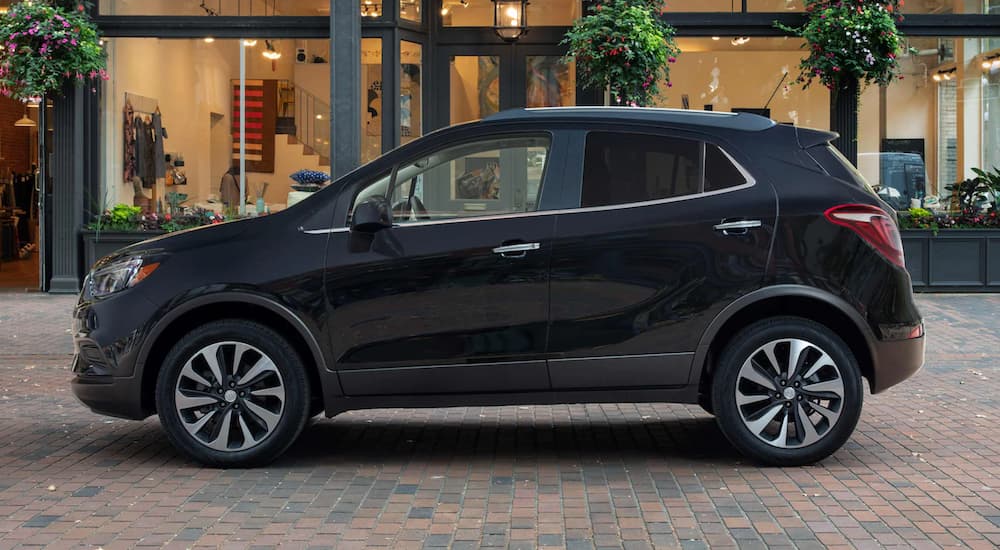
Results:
849 40
43 46
624 46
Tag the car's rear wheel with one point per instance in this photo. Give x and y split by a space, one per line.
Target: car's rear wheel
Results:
787 391
233 393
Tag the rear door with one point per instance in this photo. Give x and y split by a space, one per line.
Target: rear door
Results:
668 228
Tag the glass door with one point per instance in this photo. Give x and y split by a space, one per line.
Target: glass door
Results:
479 83
542 79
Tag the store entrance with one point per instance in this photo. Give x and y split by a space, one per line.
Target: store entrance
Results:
20 217
483 80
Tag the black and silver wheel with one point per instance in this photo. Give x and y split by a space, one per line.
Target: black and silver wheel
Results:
233 393
787 391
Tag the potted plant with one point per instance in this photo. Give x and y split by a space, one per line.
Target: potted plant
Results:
849 41
124 225
623 46
956 248
46 44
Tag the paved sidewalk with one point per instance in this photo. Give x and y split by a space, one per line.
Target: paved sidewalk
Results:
922 469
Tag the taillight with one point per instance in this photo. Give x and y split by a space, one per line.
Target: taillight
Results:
873 225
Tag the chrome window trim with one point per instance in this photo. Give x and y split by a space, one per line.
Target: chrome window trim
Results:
750 182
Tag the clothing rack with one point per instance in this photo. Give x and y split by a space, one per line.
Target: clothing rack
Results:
142 104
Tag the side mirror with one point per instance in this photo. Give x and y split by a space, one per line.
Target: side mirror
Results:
371 215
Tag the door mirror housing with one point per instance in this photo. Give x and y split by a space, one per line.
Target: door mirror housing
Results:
371 215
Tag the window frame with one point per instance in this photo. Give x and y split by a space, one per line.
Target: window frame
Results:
703 139
547 187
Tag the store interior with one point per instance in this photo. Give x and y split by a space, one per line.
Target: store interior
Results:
188 93
19 217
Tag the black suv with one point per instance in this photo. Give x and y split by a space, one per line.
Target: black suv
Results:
539 256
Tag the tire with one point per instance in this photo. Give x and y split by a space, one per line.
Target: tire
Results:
801 422
264 413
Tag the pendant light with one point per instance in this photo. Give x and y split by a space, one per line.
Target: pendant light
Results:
25 121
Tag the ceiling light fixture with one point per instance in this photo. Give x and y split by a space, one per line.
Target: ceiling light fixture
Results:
944 74
270 52
739 40
209 39
991 61
250 42
25 121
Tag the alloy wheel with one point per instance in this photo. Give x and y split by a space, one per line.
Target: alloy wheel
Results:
229 396
789 393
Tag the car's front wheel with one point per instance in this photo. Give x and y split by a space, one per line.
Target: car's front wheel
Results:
787 391
233 393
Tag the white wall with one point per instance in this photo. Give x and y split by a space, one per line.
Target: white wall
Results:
728 79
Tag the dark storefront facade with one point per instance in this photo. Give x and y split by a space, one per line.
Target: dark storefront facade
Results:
332 83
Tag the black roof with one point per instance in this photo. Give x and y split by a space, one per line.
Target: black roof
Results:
733 121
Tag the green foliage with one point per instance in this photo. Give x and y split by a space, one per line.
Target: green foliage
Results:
44 45
623 45
918 218
125 218
849 39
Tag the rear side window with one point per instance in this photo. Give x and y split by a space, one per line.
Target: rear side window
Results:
621 168
838 166
720 172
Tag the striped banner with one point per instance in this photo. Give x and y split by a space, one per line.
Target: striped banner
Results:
261 107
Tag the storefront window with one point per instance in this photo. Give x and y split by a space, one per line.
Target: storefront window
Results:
775 5
226 8
755 76
410 97
371 98
409 10
991 117
939 7
190 110
479 13
550 82
928 130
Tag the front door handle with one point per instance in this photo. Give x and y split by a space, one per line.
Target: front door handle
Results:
516 250
738 227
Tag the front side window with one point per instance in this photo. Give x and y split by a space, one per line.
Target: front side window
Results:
482 178
622 168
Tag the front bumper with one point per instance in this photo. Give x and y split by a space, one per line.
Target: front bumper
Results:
895 361
109 395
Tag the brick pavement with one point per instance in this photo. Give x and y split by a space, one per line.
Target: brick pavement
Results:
921 470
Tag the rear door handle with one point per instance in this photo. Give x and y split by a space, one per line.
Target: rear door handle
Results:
516 250
738 227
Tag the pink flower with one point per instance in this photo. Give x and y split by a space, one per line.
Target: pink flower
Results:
671 59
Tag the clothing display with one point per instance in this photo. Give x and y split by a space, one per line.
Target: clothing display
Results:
130 166
229 190
159 134
144 148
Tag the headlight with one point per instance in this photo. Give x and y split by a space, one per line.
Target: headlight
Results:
119 275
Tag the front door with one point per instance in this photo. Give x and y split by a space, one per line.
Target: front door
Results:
454 297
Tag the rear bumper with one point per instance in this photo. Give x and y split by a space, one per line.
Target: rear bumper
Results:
895 361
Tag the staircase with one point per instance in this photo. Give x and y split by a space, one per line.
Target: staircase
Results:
312 126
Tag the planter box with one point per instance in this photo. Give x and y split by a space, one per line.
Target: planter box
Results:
954 260
97 245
